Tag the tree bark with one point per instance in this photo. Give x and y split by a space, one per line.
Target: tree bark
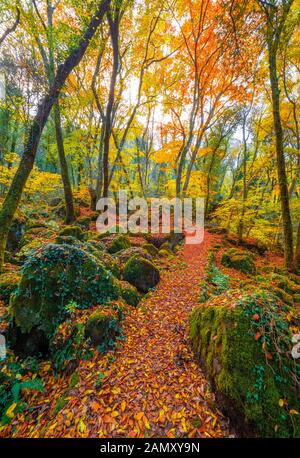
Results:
70 211
14 194
281 167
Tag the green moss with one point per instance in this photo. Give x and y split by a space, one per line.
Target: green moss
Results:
141 273
73 231
152 250
29 249
246 367
8 284
102 328
54 276
166 247
125 255
164 253
83 222
121 242
68 240
239 260
129 293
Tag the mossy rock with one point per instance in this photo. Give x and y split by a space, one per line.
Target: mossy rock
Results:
165 253
152 250
125 255
157 239
245 349
52 278
141 273
33 224
110 263
34 233
16 232
68 240
239 260
8 284
102 328
129 293
29 249
73 231
121 242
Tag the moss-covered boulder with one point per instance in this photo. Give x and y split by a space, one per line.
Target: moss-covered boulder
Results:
125 255
152 250
73 231
84 222
239 260
42 233
141 273
8 284
102 328
120 242
51 278
16 231
129 293
165 253
244 345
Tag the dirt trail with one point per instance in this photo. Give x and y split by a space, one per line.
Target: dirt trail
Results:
153 387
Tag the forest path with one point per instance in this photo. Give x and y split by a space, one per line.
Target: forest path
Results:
153 387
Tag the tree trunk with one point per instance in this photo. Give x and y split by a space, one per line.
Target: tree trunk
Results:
281 167
70 211
114 33
14 194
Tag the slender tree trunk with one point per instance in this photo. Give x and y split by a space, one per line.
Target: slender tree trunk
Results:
14 194
70 211
297 253
281 167
114 33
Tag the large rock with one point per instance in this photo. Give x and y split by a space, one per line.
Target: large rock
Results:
141 273
244 344
52 278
